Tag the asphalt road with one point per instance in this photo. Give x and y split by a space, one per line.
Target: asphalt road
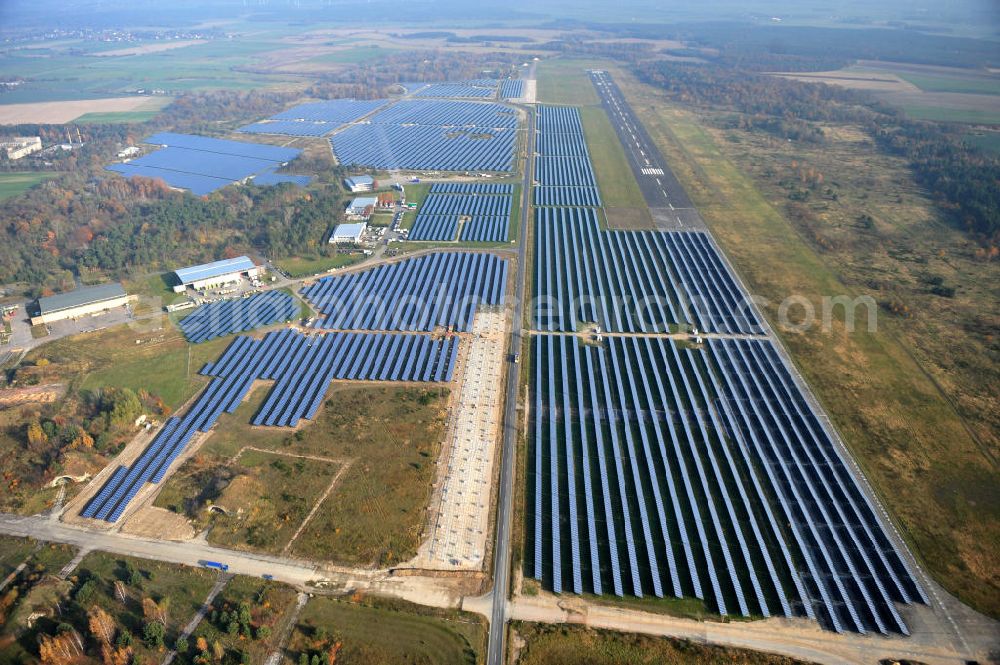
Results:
664 195
497 647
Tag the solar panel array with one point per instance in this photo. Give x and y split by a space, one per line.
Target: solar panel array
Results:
471 188
631 281
447 114
416 294
314 118
487 216
512 89
425 148
563 171
661 470
268 178
459 89
225 317
202 165
301 367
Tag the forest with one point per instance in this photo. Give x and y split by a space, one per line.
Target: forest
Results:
962 179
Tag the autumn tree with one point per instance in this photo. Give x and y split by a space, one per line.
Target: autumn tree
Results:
102 625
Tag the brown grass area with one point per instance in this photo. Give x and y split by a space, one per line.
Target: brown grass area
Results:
373 516
916 400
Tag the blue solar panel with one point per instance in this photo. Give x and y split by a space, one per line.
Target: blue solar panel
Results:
302 367
202 165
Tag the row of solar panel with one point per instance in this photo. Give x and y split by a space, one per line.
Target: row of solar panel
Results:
270 153
567 196
337 111
434 227
268 178
477 228
466 204
225 317
562 144
647 467
512 89
471 188
439 289
199 185
557 119
631 281
564 172
447 114
290 128
456 90
424 148
302 367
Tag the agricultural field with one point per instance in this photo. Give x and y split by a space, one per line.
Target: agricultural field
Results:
389 437
942 94
15 182
566 645
371 632
63 73
896 394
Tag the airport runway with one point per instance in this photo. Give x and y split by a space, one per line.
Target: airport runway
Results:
664 195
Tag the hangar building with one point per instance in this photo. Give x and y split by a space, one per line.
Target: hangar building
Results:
217 273
81 302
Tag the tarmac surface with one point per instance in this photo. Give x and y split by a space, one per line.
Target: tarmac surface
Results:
667 201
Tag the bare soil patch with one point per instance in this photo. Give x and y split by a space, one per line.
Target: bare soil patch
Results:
60 112
147 48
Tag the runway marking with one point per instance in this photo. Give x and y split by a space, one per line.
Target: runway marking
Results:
652 171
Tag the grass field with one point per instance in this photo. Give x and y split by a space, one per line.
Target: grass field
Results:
945 114
304 266
563 81
374 516
569 645
930 83
163 364
116 117
16 182
623 201
913 405
379 632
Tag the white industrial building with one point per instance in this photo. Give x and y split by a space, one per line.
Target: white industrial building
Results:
348 233
362 207
360 183
81 302
20 146
217 273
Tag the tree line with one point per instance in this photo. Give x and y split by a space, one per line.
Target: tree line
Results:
962 179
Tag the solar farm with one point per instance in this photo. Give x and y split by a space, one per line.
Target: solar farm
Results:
430 135
301 367
314 118
442 289
480 210
202 165
685 468
225 317
564 176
